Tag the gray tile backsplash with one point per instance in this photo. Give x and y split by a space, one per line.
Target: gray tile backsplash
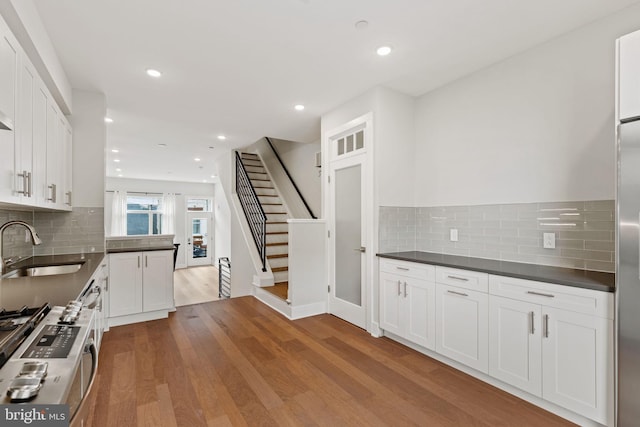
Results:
78 231
584 232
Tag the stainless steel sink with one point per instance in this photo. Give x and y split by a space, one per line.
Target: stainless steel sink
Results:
48 270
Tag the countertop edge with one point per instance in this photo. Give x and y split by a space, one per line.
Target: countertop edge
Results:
593 280
145 249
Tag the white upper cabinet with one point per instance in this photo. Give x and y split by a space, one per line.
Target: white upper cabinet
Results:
8 91
35 165
628 84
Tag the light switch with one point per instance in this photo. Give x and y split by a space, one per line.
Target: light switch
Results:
453 234
549 240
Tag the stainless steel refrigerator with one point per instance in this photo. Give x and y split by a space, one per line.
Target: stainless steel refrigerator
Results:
628 275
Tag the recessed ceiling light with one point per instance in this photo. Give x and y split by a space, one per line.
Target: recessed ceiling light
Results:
162 145
120 175
213 176
211 147
204 180
116 160
222 137
197 159
383 50
362 25
118 170
115 150
108 120
153 73
299 107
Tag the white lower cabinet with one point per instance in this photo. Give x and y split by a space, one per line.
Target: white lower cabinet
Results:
515 354
140 282
563 355
577 363
408 308
407 303
552 341
461 326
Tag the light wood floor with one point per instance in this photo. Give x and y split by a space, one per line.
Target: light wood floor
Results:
236 362
195 285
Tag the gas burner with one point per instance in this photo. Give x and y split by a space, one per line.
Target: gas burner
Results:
8 325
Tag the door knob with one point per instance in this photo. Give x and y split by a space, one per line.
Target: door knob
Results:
361 249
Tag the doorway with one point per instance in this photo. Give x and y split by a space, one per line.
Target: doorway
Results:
199 238
349 214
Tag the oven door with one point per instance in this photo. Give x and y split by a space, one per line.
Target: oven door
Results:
80 398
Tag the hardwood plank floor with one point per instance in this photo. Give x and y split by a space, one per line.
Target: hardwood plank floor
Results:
195 285
238 363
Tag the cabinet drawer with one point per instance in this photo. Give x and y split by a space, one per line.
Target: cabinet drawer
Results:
467 279
569 298
408 269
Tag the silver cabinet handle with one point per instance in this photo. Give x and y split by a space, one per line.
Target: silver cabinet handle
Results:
138 261
399 291
26 183
402 268
146 261
68 194
405 289
53 189
464 279
540 294
361 249
30 186
458 293
545 326
532 329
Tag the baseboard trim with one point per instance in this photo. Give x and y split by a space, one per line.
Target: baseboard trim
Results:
273 301
308 310
139 317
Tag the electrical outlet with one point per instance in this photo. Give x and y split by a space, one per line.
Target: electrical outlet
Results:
549 240
453 234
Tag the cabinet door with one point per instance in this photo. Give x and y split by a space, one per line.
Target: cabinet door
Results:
53 198
390 295
40 107
24 132
68 166
629 76
515 343
461 326
125 284
158 280
577 358
8 92
419 309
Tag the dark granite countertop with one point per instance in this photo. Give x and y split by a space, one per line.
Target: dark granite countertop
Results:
586 279
140 249
55 289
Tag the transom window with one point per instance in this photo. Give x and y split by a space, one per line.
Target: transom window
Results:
349 143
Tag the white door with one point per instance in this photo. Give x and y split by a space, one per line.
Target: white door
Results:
420 311
515 354
199 238
577 356
347 240
157 280
390 303
462 326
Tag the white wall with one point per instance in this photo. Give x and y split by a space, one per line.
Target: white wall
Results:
24 20
222 215
185 189
536 127
299 158
89 144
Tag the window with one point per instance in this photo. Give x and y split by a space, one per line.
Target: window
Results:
144 215
199 205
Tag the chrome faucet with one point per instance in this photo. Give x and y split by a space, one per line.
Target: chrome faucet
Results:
32 231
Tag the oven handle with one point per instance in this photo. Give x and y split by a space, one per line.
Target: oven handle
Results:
75 421
96 300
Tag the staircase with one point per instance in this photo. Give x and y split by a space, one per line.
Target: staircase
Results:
277 237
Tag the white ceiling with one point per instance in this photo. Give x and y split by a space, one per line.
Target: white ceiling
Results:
237 67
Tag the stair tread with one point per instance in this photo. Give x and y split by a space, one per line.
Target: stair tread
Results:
278 244
278 256
277 222
259 179
278 269
271 204
267 195
277 232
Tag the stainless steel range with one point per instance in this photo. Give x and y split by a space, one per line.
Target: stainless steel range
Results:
48 356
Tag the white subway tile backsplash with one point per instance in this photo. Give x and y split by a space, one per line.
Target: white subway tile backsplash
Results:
585 232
